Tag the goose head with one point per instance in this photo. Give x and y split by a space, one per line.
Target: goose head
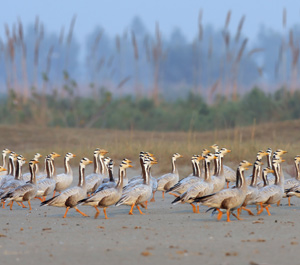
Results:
210 157
280 152
245 164
176 155
102 152
125 163
37 156
205 152
32 163
21 160
85 161
54 155
106 160
224 151
215 147
267 170
6 151
69 155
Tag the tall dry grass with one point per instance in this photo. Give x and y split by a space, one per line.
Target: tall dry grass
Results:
244 142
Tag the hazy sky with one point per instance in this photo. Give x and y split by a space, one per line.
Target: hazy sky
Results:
114 16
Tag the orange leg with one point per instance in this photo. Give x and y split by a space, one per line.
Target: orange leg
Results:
228 216
194 208
3 205
66 212
104 210
29 205
19 203
163 194
146 205
236 216
289 198
153 199
139 209
198 206
11 204
130 212
245 209
261 209
97 212
278 203
219 214
227 185
54 193
39 199
44 198
23 205
176 195
267 209
77 210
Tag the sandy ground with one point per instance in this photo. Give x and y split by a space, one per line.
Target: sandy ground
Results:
166 234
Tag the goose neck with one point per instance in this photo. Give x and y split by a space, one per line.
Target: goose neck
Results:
81 182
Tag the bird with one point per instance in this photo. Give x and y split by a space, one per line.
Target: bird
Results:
259 156
5 152
110 195
43 175
229 173
46 186
273 193
95 179
70 197
168 180
290 184
200 188
139 179
63 180
25 192
140 193
182 186
13 182
11 172
112 183
26 176
228 199
252 189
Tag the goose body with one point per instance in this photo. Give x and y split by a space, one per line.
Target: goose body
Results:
26 176
201 188
228 199
273 193
139 193
43 175
70 197
10 185
94 180
5 152
168 180
110 195
64 180
46 186
184 184
25 192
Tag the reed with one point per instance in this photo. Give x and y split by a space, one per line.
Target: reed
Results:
244 142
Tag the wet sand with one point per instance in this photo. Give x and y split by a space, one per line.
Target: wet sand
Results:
166 234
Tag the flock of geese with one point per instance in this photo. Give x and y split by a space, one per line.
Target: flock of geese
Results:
211 183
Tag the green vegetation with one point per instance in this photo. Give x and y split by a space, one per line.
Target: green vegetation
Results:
189 114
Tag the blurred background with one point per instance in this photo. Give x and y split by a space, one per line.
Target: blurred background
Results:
168 66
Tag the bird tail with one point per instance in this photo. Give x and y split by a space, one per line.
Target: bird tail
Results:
45 203
203 198
177 200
